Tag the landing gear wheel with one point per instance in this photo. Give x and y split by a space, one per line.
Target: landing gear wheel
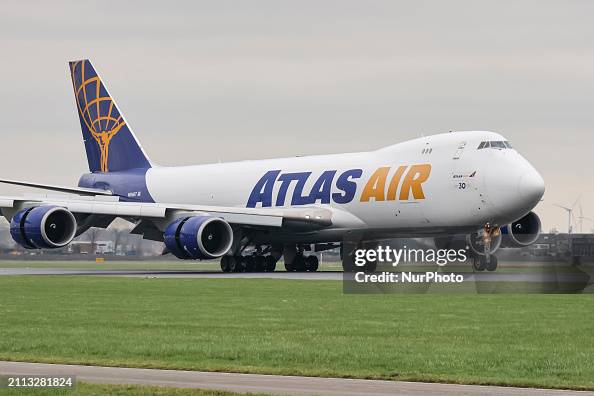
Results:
370 267
348 267
311 263
234 263
225 265
492 265
290 266
269 264
249 263
299 263
479 263
258 263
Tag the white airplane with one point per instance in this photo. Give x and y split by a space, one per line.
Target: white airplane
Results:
435 186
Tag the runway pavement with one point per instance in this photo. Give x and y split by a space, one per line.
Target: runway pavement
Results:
329 275
275 384
538 277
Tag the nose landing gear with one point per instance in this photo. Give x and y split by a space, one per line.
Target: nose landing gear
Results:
487 260
480 263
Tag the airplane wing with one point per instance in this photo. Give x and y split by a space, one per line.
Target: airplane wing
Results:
111 206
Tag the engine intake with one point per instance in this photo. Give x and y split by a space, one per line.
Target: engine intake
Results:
198 237
522 232
43 227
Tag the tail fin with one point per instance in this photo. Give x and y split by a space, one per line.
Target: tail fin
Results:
110 144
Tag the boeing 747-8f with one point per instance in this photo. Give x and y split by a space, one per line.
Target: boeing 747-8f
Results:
435 186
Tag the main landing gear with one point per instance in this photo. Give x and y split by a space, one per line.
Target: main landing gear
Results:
251 263
265 260
296 261
303 263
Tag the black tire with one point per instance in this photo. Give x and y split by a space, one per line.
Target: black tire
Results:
269 264
479 263
299 263
370 267
234 263
311 263
249 263
258 263
225 265
348 265
492 265
290 266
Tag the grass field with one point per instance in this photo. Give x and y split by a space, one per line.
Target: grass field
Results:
86 389
300 328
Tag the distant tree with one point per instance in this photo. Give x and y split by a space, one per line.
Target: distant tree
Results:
92 235
139 246
118 236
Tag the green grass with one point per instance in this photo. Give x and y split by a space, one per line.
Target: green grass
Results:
86 389
299 328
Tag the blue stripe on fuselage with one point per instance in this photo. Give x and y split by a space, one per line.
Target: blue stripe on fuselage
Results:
130 184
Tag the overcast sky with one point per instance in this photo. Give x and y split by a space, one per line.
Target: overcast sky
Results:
203 81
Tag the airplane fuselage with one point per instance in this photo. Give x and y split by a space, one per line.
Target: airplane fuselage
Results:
426 186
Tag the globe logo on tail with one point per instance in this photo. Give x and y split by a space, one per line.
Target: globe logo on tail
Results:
96 109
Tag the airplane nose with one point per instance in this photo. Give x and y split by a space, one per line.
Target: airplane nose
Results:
531 187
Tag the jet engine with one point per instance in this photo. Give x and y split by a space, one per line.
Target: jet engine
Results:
522 232
198 237
43 227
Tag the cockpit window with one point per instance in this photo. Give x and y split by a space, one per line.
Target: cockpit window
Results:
499 144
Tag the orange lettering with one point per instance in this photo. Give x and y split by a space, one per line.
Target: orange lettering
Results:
376 185
394 183
416 176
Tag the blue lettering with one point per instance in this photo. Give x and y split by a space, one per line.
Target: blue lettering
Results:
348 187
322 188
286 179
262 191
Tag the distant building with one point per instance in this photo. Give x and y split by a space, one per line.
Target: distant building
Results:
558 245
582 245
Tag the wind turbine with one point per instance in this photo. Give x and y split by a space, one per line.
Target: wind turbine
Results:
581 218
569 211
589 219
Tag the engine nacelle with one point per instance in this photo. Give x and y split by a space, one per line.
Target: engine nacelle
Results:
522 232
43 227
198 237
